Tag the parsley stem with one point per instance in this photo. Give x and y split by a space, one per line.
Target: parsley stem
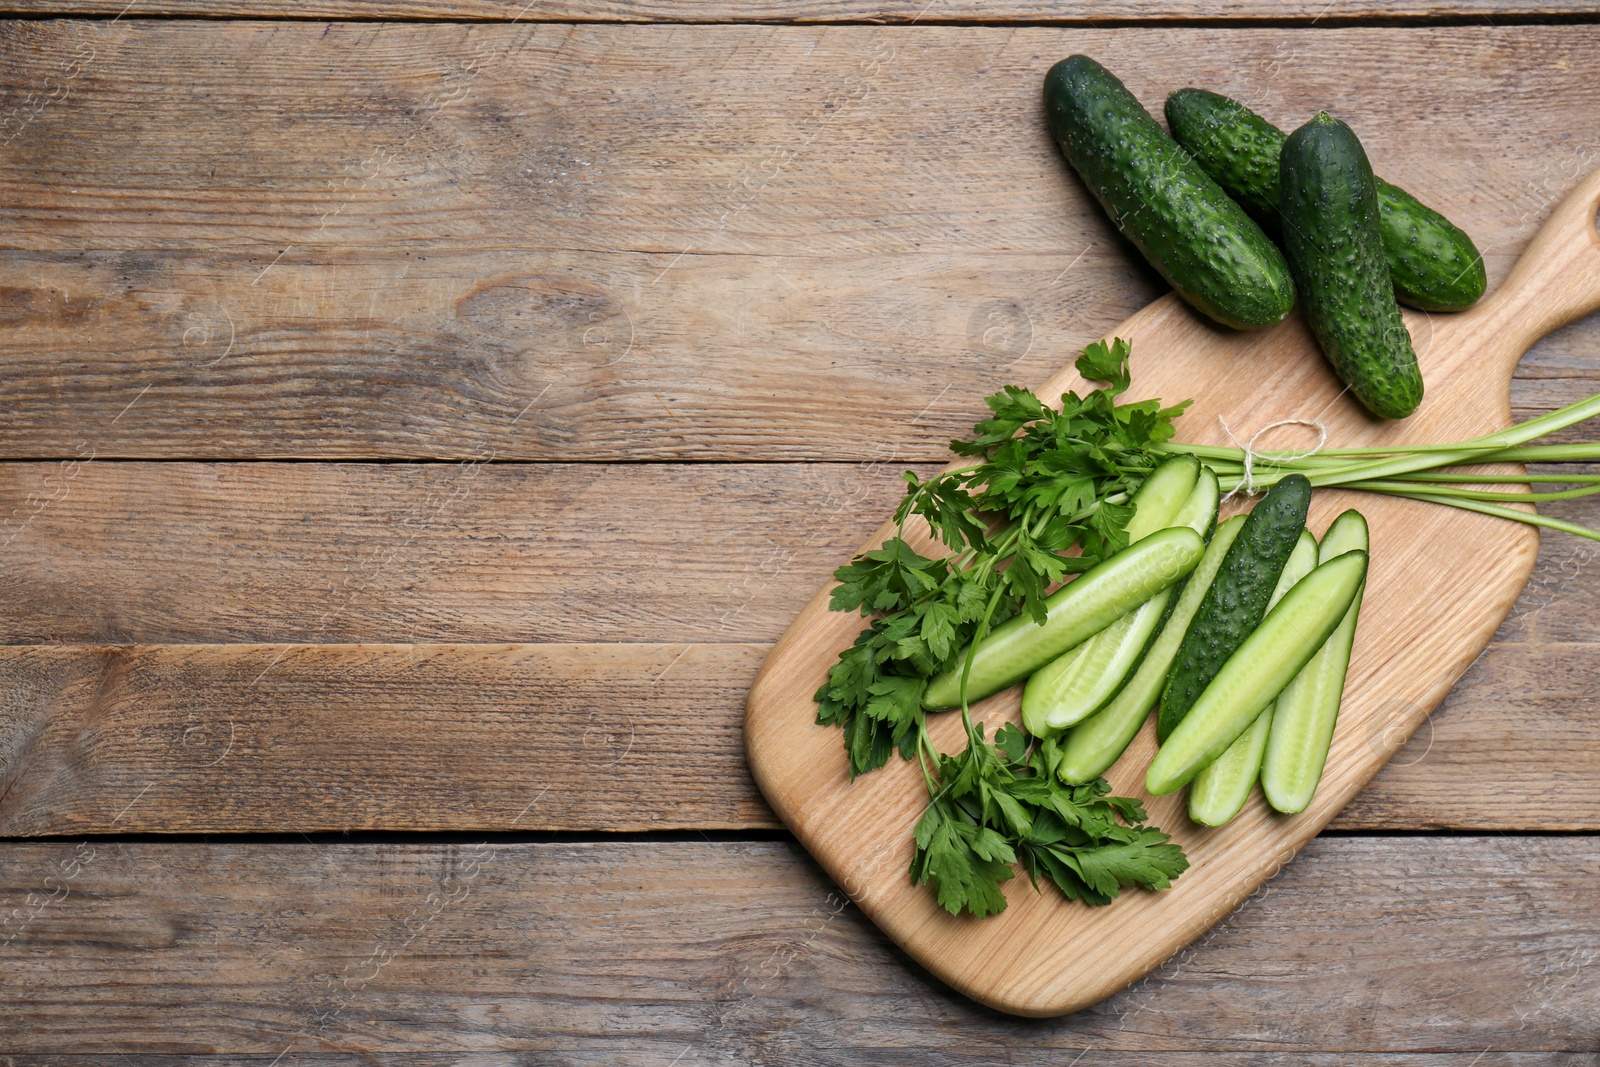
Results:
925 745
966 666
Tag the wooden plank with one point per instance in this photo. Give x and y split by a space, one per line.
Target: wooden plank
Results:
125 552
743 953
727 358
889 11
415 737
481 145
574 355
789 259
120 553
270 738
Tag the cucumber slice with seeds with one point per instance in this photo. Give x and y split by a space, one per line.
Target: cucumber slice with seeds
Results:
1078 683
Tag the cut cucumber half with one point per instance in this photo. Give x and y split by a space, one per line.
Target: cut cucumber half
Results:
1162 496
1091 747
1220 790
1308 707
1074 613
1258 671
1078 683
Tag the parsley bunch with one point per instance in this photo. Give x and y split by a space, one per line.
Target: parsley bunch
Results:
1044 482
1000 804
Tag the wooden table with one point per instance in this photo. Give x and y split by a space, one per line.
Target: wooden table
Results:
416 431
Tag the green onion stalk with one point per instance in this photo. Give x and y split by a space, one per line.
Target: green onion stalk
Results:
1431 473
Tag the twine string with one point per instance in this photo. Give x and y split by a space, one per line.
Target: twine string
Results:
1247 482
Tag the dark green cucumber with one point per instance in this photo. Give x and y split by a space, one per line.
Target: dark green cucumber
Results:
1432 263
1237 599
1190 230
1237 147
1330 231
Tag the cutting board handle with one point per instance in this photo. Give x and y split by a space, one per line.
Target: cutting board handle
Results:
1556 280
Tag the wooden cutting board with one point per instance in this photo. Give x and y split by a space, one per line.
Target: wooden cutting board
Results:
1441 581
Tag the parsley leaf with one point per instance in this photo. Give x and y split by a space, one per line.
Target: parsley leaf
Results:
1102 363
1046 496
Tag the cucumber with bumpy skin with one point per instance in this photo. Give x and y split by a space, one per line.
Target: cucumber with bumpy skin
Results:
1091 747
1306 710
1434 265
1330 231
1218 792
1213 253
1258 671
1238 597
1074 685
1074 613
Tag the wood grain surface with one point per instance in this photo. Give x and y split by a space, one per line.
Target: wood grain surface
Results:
192 553
164 560
627 953
614 737
728 268
781 11
588 246
120 552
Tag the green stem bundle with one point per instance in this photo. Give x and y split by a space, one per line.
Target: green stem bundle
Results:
1431 473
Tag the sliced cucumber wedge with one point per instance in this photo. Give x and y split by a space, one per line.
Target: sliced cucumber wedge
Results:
1074 613
1258 671
1091 747
1306 710
1078 683
1220 790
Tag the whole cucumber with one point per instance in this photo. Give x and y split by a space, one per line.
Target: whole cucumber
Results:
1238 597
1237 147
1434 265
1190 230
1329 206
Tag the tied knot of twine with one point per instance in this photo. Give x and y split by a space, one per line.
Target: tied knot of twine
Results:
1247 483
